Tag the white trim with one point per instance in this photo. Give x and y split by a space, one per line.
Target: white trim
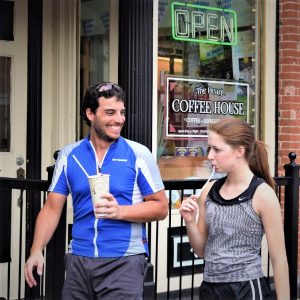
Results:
176 260
269 80
252 289
96 254
59 77
259 288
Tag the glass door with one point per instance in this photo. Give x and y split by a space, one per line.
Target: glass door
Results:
13 112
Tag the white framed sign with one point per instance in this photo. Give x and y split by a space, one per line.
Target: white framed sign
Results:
192 104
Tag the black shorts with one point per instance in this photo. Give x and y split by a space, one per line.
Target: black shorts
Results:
256 289
104 278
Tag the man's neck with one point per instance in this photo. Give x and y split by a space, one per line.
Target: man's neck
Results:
100 145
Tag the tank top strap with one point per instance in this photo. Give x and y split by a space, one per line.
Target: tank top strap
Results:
214 193
255 182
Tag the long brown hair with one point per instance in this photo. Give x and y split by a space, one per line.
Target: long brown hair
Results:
236 133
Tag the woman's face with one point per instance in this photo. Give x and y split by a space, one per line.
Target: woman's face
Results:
222 156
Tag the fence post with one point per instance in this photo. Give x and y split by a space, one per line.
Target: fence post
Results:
291 219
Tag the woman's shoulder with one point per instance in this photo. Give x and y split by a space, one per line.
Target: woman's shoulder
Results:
264 191
265 198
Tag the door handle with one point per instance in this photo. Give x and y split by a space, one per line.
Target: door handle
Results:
21 173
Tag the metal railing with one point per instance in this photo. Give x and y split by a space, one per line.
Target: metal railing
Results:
181 269
35 189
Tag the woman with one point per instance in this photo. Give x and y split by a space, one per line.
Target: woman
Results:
234 214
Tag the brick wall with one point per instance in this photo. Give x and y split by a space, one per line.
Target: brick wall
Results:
289 85
289 80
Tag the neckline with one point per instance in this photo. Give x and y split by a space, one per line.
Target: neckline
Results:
216 197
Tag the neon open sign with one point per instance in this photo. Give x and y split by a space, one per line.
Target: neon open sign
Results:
203 24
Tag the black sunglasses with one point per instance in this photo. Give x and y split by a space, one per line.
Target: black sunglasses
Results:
104 87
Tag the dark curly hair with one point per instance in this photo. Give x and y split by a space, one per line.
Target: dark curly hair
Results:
97 90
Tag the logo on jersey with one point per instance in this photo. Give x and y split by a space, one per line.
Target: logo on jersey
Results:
120 159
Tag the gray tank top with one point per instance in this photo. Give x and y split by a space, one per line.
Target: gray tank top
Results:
232 252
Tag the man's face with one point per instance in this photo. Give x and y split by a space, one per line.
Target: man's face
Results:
108 120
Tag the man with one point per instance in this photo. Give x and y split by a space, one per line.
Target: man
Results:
107 255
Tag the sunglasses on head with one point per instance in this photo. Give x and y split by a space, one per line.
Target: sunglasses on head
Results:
107 87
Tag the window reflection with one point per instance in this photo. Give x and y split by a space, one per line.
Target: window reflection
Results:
5 99
94 45
188 58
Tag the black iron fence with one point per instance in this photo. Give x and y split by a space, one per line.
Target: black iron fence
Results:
174 272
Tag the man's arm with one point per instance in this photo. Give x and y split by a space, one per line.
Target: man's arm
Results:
155 207
45 226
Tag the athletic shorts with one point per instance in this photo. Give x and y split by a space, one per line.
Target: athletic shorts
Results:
256 289
104 278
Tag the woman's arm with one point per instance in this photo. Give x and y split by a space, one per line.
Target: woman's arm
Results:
266 204
196 230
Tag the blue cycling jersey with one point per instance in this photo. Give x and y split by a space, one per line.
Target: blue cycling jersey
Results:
133 175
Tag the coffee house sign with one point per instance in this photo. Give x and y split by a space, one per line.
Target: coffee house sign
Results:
203 24
192 104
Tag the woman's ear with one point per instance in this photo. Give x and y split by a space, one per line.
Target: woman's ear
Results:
240 151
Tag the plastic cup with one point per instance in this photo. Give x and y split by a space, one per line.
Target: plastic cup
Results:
99 184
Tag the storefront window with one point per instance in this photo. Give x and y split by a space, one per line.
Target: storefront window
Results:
94 46
206 70
7 20
5 99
